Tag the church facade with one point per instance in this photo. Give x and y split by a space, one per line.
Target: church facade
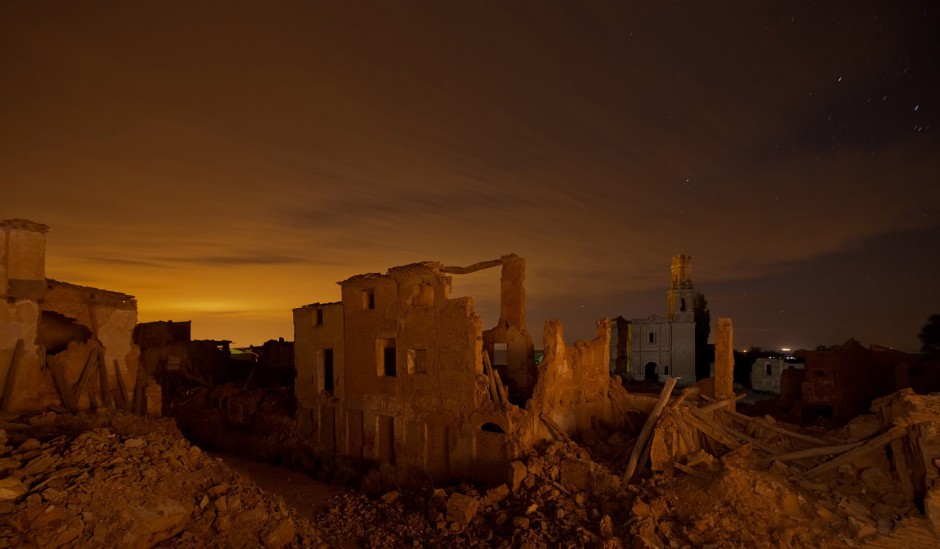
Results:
657 347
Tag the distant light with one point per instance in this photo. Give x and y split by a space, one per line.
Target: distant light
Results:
785 349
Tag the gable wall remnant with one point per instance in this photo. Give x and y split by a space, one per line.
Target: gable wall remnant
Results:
52 332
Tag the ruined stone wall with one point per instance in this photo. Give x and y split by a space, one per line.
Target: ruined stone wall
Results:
573 388
846 378
164 346
318 348
518 372
108 319
767 373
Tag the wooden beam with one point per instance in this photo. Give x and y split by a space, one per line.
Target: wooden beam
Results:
556 429
472 268
61 384
690 471
491 380
771 427
707 426
686 393
500 388
122 388
138 402
103 374
647 432
745 438
816 452
85 375
871 445
11 376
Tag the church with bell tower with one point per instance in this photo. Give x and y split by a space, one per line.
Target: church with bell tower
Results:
658 347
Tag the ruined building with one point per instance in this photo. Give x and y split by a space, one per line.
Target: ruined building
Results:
61 344
659 347
399 371
767 371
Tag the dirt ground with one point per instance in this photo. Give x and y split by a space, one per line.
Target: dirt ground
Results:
109 479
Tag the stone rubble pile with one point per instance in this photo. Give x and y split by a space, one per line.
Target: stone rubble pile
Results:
115 480
111 479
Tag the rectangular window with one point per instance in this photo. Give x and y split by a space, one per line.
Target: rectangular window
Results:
386 357
368 299
417 361
500 354
328 370
652 337
769 368
319 317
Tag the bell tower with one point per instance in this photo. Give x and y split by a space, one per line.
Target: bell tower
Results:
681 294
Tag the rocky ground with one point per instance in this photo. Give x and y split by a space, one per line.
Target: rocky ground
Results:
109 479
116 480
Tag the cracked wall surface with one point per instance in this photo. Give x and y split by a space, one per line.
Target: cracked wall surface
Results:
416 382
54 334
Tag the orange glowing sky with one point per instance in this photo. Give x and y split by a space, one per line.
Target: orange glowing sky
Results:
227 162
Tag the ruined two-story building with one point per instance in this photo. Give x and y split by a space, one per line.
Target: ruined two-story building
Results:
399 371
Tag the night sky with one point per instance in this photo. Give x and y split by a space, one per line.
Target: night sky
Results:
226 162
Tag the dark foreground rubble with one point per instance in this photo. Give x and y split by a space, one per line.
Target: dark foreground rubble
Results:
111 479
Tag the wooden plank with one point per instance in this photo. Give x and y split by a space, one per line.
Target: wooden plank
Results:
708 427
87 372
11 376
138 403
122 388
686 393
871 445
491 381
647 432
816 452
720 404
103 374
744 438
771 427
690 471
65 393
556 429
500 388
687 438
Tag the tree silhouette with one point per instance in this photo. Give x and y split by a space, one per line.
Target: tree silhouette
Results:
930 335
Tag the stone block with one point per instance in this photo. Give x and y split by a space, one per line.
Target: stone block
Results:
461 508
577 472
517 473
496 495
11 488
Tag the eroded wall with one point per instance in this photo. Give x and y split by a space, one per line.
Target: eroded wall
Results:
411 388
65 330
574 389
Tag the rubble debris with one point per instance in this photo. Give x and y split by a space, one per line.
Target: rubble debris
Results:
115 480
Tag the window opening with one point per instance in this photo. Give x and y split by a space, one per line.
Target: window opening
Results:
417 361
387 357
